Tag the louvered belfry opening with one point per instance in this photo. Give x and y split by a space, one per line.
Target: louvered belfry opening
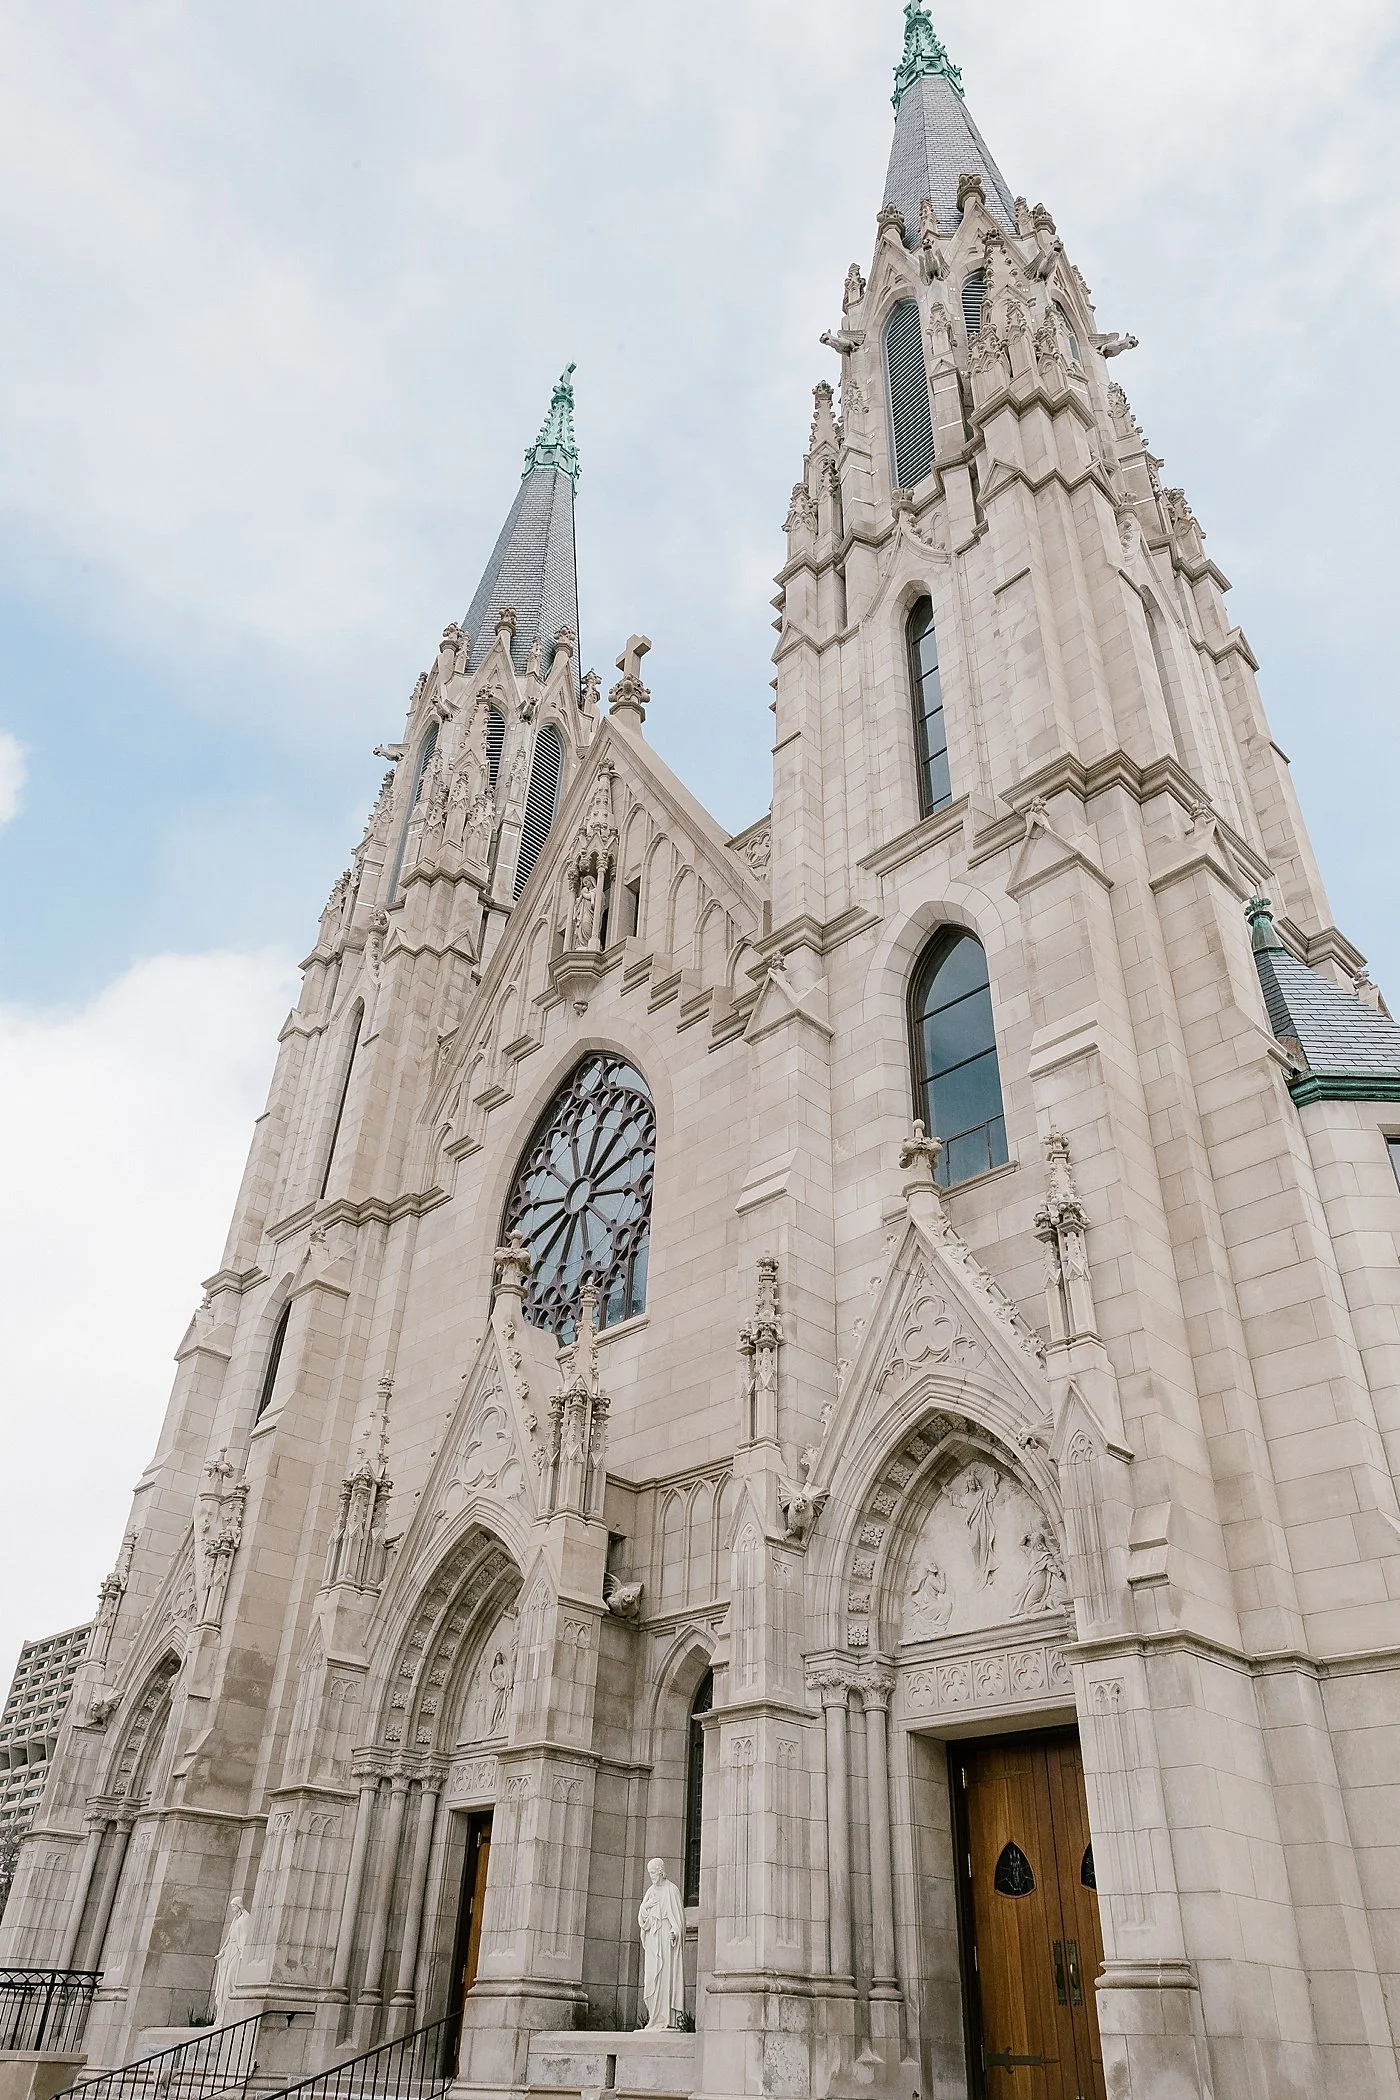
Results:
974 291
540 800
495 743
911 416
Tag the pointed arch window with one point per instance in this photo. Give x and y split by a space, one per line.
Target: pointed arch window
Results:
274 1359
974 293
911 413
420 773
1071 339
926 692
495 743
581 1201
540 801
356 1025
957 1082
700 1705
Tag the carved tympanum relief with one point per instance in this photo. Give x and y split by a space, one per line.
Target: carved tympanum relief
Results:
985 1555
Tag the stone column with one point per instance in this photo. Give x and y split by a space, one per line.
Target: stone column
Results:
835 1690
875 1695
417 1890
107 1896
92 1845
354 1882
384 1887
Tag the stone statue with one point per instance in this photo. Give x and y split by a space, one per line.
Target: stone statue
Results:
229 1960
662 1923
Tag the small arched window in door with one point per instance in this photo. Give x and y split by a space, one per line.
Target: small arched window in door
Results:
700 1705
957 1082
1013 1876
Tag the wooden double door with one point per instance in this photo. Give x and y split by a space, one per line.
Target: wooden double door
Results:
1030 1918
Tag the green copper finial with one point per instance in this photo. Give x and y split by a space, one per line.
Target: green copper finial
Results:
1260 913
923 54
555 446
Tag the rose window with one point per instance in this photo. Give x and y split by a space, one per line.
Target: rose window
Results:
582 1198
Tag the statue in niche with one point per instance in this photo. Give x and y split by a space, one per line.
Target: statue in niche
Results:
661 1921
930 1605
977 1494
500 1677
1045 1587
229 1960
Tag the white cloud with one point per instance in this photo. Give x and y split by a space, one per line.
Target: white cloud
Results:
121 1148
13 775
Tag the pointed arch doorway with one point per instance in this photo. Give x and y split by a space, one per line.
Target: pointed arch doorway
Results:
1032 1947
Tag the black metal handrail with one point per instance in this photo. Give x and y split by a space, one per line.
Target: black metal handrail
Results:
45 2010
217 2061
415 2067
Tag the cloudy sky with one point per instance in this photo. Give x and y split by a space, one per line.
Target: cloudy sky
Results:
285 290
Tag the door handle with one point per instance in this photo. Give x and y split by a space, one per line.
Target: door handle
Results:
1060 1973
1072 1949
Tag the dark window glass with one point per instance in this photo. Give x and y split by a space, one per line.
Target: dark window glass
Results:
425 759
695 1784
1086 1869
1013 1876
974 291
495 743
1393 1147
582 1198
911 412
344 1095
540 800
926 688
957 1083
274 1358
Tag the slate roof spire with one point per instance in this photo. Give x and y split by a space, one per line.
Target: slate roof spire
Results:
1349 1051
935 139
533 568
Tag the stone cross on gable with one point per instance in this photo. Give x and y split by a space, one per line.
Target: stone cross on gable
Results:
627 702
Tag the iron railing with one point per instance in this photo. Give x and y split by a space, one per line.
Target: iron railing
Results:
418 2066
45 2009
221 2060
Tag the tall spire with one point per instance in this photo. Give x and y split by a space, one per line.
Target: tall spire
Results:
924 54
532 567
555 445
936 142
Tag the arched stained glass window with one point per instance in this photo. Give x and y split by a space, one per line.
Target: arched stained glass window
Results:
926 691
911 414
274 1358
420 772
540 801
582 1198
957 1083
495 743
974 291
700 1705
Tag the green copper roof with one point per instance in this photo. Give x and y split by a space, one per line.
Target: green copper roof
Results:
924 54
555 446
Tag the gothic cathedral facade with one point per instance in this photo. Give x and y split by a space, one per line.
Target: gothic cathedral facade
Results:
859 1359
